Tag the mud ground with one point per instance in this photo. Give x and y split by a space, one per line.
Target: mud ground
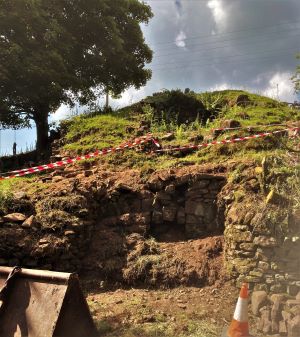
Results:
179 312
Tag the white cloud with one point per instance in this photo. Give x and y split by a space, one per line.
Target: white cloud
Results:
220 87
130 96
281 87
180 39
60 114
218 12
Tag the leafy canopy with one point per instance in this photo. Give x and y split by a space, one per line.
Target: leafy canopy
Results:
63 51
296 77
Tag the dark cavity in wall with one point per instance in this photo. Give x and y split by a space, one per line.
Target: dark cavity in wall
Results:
188 210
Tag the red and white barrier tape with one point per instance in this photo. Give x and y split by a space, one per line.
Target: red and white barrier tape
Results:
128 145
225 141
136 142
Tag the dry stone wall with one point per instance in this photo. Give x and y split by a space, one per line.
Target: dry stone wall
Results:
92 227
92 222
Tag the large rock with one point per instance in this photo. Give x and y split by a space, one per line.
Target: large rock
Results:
258 300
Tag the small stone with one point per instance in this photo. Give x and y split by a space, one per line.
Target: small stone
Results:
28 223
14 217
43 242
170 189
57 179
88 173
19 195
69 233
169 136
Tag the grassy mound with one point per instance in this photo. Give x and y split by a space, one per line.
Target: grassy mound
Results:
161 114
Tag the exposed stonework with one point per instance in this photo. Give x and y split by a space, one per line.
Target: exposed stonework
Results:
278 313
88 220
91 226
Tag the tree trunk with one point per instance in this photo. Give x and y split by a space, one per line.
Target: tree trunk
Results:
42 132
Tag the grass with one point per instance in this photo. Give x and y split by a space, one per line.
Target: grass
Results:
85 134
5 194
160 329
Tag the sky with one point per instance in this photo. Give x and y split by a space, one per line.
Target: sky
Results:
210 45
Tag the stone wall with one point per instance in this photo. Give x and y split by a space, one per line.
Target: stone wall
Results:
259 253
262 247
88 227
91 221
278 314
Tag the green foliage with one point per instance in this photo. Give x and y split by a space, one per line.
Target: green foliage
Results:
6 195
170 105
296 77
63 51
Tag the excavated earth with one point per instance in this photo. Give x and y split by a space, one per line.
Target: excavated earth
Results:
119 227
150 248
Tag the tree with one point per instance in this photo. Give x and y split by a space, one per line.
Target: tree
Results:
296 77
67 51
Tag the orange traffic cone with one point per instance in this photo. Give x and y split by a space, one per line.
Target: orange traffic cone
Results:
239 326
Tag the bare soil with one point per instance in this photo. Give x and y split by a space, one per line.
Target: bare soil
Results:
179 312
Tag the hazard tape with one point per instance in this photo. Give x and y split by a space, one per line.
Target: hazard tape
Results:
129 145
225 141
147 139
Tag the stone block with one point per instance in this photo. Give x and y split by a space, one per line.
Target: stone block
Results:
14 217
275 326
293 327
157 217
169 213
192 219
291 303
256 273
243 266
181 216
261 287
247 246
147 204
265 241
258 300
236 235
263 265
278 288
171 189
282 327
210 212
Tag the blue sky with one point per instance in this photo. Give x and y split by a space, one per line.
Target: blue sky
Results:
208 45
